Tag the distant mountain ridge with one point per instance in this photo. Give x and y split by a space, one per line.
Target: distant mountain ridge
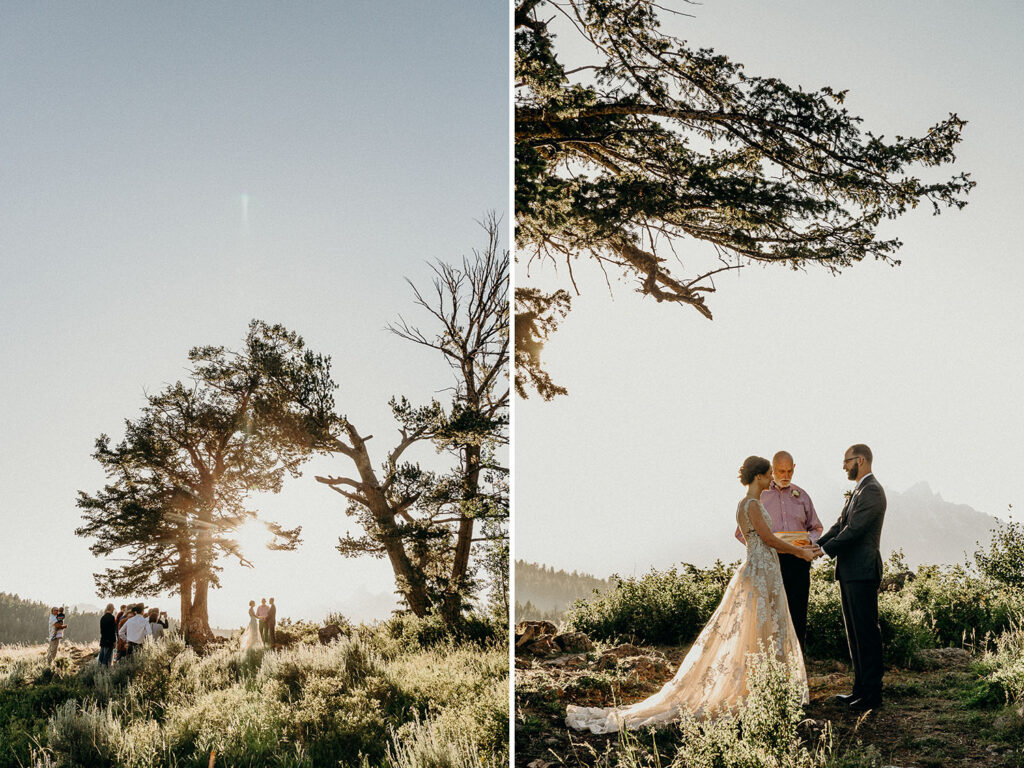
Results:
930 529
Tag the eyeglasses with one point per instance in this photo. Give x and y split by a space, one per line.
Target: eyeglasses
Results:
852 458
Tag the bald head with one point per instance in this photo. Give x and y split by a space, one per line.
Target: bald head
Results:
782 469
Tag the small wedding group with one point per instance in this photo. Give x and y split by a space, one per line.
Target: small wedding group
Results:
261 631
120 634
764 607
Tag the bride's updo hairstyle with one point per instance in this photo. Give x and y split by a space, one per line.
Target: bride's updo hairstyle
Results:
752 467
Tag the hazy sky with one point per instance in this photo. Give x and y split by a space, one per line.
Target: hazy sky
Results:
923 362
169 172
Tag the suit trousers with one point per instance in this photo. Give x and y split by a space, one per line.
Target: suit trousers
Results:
860 617
796 577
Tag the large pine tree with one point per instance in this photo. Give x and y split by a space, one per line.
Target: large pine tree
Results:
177 483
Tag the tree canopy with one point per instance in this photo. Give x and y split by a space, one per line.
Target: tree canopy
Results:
650 141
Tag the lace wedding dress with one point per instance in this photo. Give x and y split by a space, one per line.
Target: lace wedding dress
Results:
251 637
712 677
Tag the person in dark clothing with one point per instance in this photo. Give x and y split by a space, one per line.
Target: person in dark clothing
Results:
855 543
108 636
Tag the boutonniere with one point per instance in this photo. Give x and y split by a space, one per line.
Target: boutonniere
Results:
847 495
796 494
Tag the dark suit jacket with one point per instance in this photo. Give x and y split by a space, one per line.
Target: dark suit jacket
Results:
108 631
854 540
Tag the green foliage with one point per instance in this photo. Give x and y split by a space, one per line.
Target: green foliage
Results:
956 602
762 733
364 701
648 141
428 745
1003 669
434 629
665 607
936 607
1003 561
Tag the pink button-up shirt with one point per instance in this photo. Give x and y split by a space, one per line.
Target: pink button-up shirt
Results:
789 512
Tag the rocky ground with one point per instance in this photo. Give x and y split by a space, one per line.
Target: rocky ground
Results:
930 718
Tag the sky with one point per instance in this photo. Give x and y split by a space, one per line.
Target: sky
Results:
170 172
922 362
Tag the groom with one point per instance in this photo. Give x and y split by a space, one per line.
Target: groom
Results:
854 543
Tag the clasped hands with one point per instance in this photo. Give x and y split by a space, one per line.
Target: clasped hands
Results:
814 550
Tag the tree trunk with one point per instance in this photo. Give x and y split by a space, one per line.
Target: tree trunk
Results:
197 629
410 582
455 597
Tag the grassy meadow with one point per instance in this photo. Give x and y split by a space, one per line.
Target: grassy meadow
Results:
404 693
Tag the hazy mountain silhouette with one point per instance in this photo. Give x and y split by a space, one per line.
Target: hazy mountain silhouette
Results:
930 529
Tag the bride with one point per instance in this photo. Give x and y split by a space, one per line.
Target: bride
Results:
753 614
251 637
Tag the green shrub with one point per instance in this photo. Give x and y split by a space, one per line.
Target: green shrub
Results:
1003 670
662 607
762 733
83 734
904 627
1003 561
826 637
427 744
432 630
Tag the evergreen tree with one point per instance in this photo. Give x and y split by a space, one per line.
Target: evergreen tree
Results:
178 481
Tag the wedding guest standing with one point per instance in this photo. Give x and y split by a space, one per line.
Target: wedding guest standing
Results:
120 647
134 631
108 635
791 509
157 623
272 623
54 632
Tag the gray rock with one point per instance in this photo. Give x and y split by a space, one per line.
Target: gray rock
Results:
574 642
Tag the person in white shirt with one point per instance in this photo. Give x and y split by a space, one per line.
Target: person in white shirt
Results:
135 631
54 633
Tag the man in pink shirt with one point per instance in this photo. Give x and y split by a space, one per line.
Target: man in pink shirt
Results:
261 614
791 509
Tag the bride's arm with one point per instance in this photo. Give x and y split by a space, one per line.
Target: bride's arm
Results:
774 541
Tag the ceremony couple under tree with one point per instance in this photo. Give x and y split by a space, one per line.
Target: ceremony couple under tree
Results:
754 615
261 631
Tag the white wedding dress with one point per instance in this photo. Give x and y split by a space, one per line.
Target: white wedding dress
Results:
712 678
251 637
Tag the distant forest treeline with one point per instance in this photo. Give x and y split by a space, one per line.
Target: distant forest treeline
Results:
24 622
543 592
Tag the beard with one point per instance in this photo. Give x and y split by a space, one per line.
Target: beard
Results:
852 473
781 483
